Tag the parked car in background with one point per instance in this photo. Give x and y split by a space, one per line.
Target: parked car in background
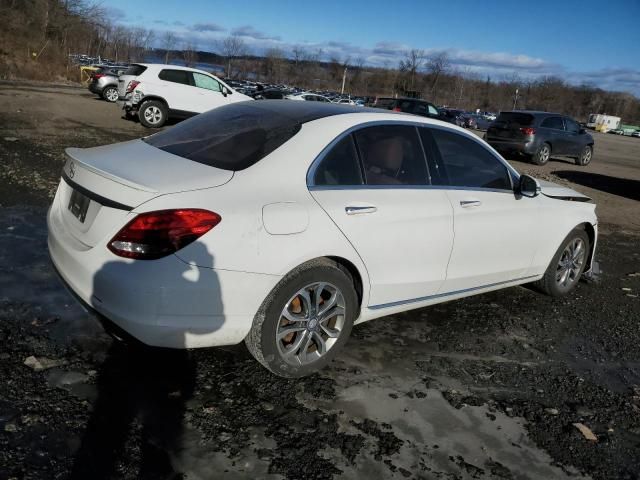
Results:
636 133
308 97
616 131
453 115
344 101
269 94
104 81
539 135
408 105
481 122
156 92
255 222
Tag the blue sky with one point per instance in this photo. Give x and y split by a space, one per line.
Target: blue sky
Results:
591 41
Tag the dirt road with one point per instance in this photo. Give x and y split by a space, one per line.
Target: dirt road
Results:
487 387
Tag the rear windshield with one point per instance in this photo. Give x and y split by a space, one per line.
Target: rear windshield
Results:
232 137
387 103
135 70
515 119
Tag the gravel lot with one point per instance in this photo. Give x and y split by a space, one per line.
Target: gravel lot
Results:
487 387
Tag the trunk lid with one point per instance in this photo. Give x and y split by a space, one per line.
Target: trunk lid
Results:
508 125
101 185
130 74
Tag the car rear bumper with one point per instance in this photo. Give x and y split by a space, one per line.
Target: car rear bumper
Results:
164 302
520 146
95 88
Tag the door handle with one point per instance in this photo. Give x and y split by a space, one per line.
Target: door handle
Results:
360 210
470 203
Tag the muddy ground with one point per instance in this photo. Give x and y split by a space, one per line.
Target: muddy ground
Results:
487 387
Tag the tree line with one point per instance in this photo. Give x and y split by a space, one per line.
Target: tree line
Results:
39 35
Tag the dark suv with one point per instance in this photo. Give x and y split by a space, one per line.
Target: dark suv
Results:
408 105
539 135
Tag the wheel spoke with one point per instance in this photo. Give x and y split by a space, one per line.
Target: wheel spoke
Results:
317 297
565 276
291 350
284 331
333 312
320 343
331 332
328 304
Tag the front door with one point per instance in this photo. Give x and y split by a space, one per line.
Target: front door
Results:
495 230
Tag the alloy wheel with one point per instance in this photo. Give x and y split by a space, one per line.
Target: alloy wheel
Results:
153 115
544 154
586 156
112 94
310 323
570 263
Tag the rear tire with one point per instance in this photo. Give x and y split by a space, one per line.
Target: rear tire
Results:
153 114
568 264
289 330
542 155
585 157
110 94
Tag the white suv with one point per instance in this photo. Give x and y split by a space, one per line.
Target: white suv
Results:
155 92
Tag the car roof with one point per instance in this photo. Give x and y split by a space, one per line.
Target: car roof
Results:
539 113
303 112
160 66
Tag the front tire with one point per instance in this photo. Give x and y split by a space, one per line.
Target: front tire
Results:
567 265
153 114
585 157
542 155
305 319
110 94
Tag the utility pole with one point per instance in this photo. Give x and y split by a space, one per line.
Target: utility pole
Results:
515 99
344 79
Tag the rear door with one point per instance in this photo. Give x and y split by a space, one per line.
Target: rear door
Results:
176 87
553 132
496 232
379 197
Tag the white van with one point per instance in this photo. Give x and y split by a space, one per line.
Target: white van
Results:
156 92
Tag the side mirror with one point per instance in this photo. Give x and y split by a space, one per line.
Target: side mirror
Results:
529 186
582 131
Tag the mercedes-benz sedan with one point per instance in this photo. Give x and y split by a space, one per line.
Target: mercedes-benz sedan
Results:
283 224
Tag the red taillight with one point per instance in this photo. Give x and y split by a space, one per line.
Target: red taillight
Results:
528 130
397 109
154 235
97 75
132 85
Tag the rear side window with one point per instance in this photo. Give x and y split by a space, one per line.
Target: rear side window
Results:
392 155
232 137
340 166
514 119
135 70
463 162
553 122
175 76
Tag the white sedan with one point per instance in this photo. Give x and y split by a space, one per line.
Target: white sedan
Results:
283 224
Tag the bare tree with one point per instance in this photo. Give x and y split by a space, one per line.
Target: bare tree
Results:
411 63
437 65
169 42
272 64
232 47
189 54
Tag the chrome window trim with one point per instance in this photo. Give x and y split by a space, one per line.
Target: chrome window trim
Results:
447 294
318 160
316 188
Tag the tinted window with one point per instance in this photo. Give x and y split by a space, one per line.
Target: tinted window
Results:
205 81
515 119
553 122
135 70
387 103
232 137
572 126
175 76
463 162
340 166
392 155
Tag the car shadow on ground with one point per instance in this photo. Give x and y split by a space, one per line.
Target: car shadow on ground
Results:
623 187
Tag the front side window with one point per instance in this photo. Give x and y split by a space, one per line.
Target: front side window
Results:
553 122
340 166
205 81
572 126
392 155
463 162
309 98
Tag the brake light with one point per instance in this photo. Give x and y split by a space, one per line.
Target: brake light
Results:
528 130
98 75
132 85
397 109
157 234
